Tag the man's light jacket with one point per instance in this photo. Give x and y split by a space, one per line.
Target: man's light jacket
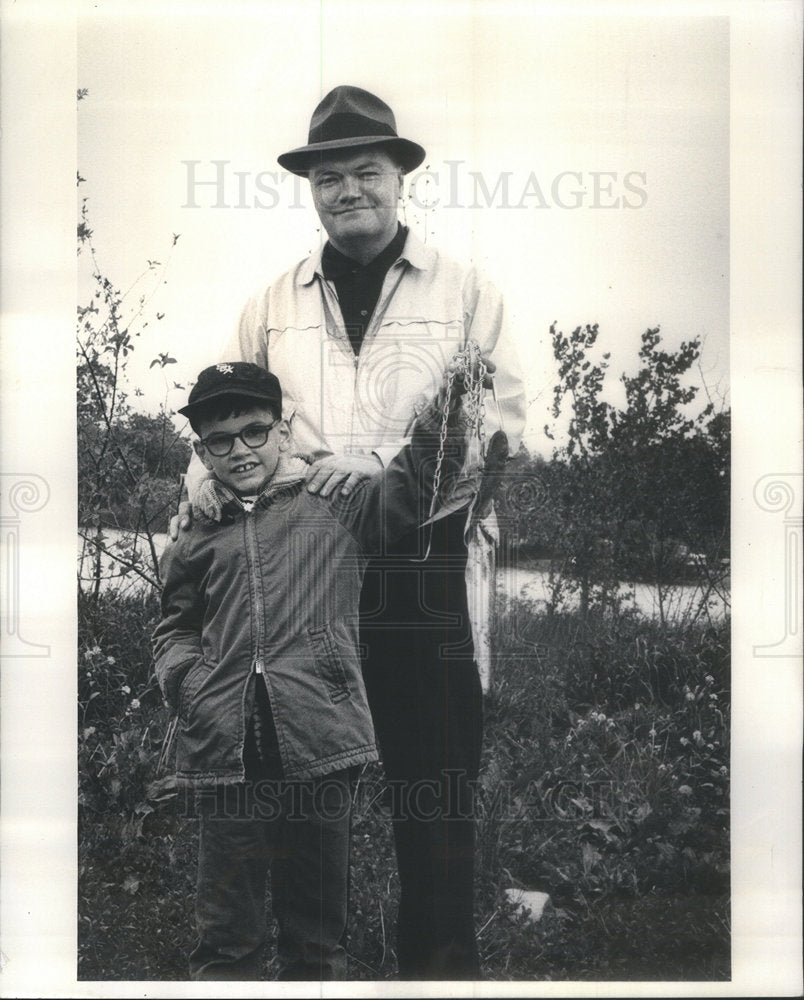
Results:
428 309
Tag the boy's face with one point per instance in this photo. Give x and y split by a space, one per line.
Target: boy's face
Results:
246 469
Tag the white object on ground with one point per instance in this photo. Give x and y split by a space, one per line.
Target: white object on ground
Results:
530 902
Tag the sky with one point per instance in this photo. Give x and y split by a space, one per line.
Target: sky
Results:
582 162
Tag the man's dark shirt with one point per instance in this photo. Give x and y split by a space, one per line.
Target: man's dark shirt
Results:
359 285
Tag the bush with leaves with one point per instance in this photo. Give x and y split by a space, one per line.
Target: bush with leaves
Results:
638 491
129 463
605 784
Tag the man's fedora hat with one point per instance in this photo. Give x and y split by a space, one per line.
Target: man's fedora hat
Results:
349 117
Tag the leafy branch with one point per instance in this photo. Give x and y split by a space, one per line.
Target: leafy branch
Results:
129 463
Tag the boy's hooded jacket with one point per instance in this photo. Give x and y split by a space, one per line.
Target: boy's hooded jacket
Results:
271 596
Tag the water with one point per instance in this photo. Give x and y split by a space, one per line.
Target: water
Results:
113 573
681 602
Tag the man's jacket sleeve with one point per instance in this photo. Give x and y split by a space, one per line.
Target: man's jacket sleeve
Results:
176 640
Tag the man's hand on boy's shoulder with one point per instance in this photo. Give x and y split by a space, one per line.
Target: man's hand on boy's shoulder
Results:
181 521
327 474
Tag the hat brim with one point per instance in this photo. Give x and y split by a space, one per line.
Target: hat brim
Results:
300 161
187 411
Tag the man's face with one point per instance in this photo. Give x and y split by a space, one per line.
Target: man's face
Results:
246 468
356 196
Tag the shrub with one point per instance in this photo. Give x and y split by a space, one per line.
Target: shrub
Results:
606 766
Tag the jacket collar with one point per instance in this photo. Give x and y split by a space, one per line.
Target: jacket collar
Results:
217 500
335 264
414 252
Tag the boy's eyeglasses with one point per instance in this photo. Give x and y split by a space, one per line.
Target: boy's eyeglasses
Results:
220 443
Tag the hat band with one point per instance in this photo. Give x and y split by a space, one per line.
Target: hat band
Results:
348 125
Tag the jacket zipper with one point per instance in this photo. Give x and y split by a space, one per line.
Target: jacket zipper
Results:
356 364
386 294
331 305
257 612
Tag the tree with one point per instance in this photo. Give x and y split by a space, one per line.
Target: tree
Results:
128 463
635 489
579 483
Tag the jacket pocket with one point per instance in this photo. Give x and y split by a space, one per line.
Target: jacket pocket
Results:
190 686
328 661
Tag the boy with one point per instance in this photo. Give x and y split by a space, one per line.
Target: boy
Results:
257 653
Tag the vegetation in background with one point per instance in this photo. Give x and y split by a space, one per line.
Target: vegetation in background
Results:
129 464
636 492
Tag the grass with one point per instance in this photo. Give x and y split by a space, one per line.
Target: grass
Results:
604 784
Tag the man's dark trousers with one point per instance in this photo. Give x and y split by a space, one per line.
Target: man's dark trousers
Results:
426 701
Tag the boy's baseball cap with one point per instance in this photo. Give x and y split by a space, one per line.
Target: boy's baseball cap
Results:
235 378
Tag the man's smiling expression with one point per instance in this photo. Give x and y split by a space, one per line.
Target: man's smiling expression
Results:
356 197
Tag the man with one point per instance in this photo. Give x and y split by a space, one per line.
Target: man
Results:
360 334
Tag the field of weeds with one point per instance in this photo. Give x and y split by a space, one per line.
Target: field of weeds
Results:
605 784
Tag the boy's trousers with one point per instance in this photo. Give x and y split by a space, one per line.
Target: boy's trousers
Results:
297 830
